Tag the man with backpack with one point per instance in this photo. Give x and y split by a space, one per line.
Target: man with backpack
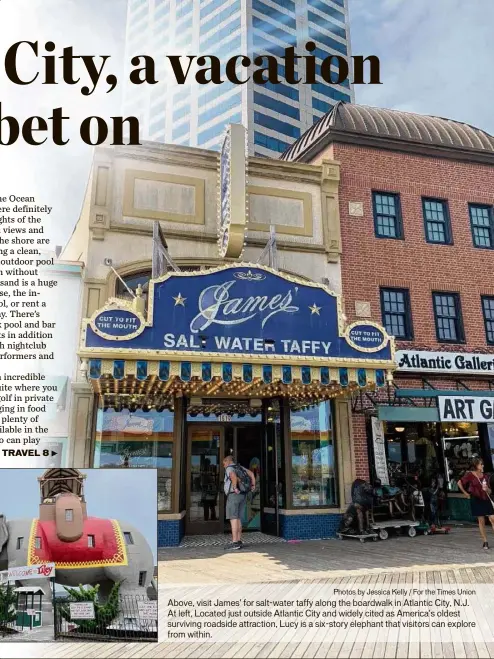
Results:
238 483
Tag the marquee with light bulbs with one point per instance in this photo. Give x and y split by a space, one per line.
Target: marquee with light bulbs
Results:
241 331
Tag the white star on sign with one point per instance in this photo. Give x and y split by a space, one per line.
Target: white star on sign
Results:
314 309
180 300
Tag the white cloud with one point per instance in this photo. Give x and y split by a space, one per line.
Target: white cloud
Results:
56 175
436 57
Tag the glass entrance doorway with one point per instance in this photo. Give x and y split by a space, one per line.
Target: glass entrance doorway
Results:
208 444
252 435
205 499
245 444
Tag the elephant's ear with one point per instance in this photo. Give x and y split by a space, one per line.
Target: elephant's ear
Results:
4 531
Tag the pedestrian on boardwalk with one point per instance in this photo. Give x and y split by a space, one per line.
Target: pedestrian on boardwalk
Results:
475 486
238 483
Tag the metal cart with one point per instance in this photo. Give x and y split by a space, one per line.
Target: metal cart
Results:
382 528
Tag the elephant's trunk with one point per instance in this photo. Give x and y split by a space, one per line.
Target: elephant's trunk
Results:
69 517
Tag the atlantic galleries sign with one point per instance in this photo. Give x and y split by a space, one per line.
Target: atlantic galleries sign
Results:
464 363
237 311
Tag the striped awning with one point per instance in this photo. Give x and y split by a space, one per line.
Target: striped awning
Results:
162 378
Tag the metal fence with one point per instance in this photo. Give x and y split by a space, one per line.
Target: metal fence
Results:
129 624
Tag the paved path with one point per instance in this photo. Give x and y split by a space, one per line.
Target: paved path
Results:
456 558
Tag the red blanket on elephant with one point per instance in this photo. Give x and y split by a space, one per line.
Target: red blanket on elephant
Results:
101 544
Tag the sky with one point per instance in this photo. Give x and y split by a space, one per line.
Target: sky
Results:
125 494
436 58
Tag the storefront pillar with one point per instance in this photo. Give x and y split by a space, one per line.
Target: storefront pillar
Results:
345 449
179 450
171 525
360 446
81 421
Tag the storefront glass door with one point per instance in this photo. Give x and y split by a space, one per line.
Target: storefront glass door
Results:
256 445
273 469
205 480
244 443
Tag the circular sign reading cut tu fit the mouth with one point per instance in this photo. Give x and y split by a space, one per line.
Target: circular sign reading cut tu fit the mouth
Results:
117 324
366 337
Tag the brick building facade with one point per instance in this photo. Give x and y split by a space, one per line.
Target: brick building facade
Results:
416 199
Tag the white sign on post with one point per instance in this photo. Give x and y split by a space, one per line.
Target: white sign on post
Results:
82 610
466 408
148 609
380 462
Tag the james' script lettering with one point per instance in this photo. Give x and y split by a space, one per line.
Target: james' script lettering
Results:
216 306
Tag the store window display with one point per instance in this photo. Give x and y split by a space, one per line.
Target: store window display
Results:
433 450
134 438
313 456
412 449
461 444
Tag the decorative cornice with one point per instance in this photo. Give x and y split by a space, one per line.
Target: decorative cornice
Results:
170 154
288 171
185 234
212 238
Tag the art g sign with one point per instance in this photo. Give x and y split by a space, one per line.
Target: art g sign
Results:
474 409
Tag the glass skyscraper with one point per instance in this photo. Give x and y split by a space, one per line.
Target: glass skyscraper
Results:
195 115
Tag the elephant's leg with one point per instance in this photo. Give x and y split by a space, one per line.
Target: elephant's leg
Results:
105 586
360 520
367 520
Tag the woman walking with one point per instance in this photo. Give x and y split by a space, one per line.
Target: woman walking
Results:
475 486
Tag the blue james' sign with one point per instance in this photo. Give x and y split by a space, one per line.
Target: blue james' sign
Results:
242 310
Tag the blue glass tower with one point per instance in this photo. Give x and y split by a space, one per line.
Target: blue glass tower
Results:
196 115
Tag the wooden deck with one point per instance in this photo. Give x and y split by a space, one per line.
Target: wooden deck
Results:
393 643
322 558
453 559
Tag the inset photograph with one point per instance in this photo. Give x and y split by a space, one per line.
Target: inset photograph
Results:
78 555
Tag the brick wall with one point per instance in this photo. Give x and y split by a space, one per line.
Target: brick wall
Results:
369 262
359 436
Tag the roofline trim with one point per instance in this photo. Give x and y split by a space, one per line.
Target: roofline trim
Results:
395 144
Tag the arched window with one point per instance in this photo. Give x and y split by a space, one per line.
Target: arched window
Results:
133 280
142 277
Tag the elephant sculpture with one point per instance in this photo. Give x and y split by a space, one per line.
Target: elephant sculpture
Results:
85 550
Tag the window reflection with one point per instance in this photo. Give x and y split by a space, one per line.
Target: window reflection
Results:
134 439
165 486
313 457
461 444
